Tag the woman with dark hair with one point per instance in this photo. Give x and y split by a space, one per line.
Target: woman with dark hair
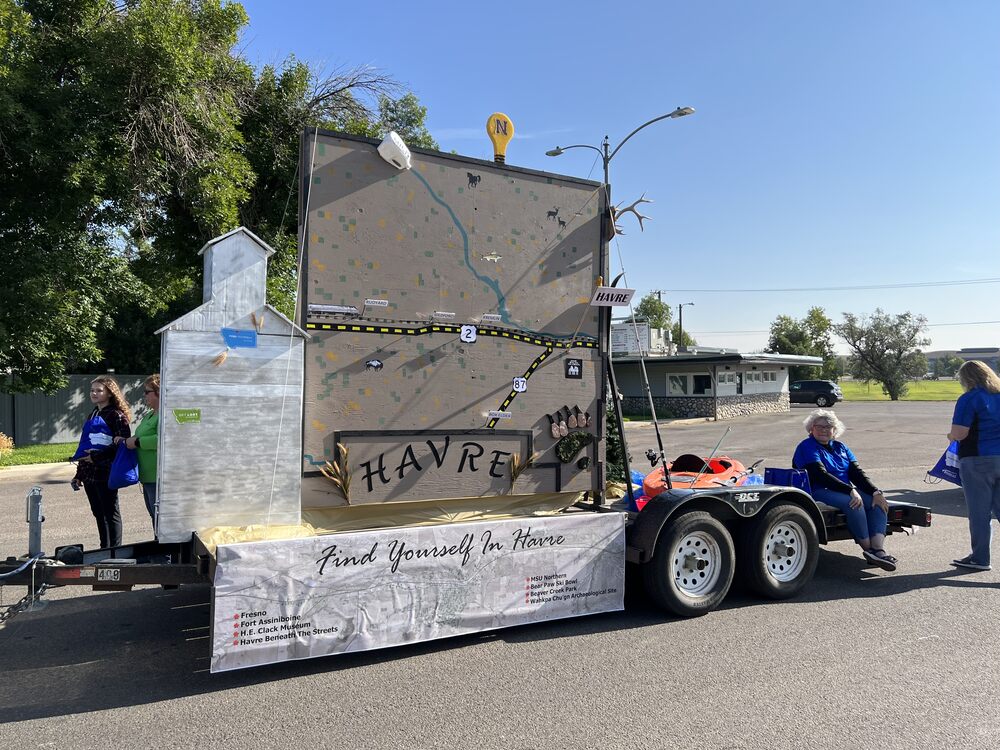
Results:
976 427
94 468
836 479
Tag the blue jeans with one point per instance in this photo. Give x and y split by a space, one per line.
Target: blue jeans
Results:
981 484
864 522
149 495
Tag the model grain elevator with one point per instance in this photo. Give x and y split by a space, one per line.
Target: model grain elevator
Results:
230 446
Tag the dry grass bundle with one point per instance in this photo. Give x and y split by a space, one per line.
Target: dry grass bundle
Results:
220 358
6 445
338 473
517 466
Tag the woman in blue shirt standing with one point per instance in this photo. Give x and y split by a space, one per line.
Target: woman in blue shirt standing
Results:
976 427
836 479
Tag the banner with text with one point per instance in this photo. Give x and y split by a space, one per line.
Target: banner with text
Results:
300 598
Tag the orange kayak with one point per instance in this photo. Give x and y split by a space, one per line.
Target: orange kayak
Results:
689 470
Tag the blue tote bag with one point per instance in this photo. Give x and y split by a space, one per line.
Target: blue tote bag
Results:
946 467
124 469
787 478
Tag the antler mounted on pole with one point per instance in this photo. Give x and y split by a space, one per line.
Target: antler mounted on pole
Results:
617 213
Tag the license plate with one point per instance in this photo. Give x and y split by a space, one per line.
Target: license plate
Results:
109 574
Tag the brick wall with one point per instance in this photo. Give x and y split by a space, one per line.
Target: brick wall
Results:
700 406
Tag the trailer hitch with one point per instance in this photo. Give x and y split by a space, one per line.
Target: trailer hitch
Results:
28 602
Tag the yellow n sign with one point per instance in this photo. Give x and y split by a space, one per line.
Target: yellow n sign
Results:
500 130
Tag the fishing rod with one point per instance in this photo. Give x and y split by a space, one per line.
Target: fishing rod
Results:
649 396
704 466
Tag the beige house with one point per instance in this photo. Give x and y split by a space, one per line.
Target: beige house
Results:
722 385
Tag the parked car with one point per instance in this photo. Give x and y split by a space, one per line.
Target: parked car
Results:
819 392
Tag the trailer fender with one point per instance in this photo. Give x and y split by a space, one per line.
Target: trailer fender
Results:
727 504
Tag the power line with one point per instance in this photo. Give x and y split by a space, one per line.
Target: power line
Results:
970 323
929 325
914 285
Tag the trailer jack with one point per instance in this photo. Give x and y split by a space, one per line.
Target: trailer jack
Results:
36 587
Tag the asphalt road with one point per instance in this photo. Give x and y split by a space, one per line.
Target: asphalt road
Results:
864 659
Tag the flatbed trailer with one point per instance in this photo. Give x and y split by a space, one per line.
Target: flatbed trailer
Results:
705 537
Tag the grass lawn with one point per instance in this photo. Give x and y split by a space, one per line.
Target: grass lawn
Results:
38 454
919 390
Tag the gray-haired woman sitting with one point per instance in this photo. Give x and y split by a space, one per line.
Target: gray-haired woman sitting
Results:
836 479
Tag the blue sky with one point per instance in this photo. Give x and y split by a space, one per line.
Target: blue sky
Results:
835 144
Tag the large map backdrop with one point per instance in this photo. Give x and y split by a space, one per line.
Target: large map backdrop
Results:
449 311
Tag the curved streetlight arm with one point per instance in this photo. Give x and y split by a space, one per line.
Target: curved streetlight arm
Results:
679 112
558 150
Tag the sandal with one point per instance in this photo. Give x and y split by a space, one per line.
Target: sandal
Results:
881 558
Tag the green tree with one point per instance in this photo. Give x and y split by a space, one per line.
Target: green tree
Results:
660 315
108 114
131 134
655 310
614 448
885 348
405 115
947 366
677 335
810 336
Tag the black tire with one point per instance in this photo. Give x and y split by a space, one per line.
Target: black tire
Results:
822 400
778 551
673 580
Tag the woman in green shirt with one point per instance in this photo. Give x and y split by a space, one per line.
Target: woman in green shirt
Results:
144 441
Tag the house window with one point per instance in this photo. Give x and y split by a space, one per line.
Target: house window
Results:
702 385
677 385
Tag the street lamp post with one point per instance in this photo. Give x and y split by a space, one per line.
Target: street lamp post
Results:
680 323
605 150
607 154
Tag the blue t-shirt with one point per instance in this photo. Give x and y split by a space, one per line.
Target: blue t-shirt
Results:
979 410
836 457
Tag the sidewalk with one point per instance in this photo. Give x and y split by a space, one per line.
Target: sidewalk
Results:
635 422
62 471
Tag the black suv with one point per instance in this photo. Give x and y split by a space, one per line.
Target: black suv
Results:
819 392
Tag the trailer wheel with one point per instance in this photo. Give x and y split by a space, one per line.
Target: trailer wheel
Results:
779 551
692 566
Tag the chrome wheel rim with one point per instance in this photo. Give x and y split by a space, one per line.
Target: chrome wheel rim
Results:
785 551
696 564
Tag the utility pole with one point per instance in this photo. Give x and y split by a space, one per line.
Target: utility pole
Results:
680 323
